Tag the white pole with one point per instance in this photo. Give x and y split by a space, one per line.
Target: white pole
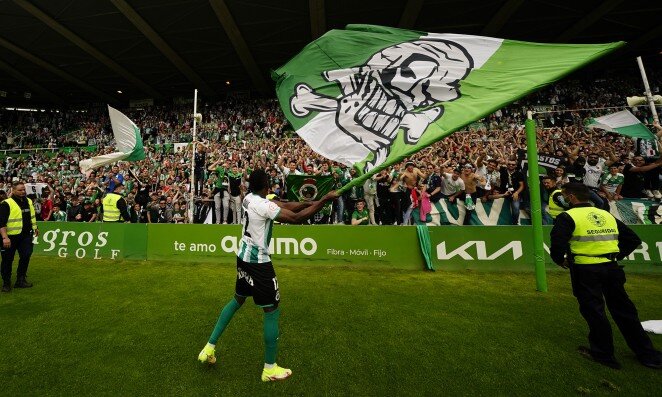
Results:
649 95
193 149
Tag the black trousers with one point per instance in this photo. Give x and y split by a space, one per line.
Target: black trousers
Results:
592 285
22 244
199 181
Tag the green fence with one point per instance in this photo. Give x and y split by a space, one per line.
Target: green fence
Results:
453 247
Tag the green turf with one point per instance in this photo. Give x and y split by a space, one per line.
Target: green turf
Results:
135 329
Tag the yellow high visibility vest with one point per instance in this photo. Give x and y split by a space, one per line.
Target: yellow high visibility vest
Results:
110 211
15 220
595 235
554 209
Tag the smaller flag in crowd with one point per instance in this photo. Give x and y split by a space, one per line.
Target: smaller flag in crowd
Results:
309 188
624 123
128 142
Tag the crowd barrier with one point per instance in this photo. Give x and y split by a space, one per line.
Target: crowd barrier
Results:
453 247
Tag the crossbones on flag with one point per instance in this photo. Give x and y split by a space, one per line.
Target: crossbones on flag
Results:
128 142
369 96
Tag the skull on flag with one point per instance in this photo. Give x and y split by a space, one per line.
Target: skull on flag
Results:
400 87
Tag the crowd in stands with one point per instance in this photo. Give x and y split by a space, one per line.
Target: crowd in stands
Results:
237 136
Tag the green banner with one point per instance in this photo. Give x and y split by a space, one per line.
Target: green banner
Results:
452 247
291 243
91 240
497 212
511 248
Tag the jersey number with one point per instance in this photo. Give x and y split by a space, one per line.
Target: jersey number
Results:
246 226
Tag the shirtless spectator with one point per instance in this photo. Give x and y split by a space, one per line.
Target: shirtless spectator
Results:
471 181
410 177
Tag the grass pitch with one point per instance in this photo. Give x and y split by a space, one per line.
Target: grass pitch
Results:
107 328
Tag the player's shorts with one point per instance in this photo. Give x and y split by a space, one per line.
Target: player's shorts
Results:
259 281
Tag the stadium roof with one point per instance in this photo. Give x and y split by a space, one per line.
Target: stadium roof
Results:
80 51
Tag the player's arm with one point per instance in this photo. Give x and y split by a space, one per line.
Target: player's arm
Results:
287 216
292 205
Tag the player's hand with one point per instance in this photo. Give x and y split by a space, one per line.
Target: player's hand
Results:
35 232
332 195
6 242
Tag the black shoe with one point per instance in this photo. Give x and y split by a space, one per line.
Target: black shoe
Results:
655 362
586 353
22 283
6 287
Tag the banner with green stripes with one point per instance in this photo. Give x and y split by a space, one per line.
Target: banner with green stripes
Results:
498 212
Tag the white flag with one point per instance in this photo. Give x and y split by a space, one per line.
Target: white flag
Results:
128 142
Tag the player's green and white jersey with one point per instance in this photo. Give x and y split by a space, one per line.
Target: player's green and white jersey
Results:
259 214
611 182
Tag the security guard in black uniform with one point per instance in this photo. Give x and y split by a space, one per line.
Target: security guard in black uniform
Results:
555 203
114 206
589 241
18 225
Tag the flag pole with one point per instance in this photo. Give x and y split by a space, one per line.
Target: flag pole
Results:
193 148
536 206
647 87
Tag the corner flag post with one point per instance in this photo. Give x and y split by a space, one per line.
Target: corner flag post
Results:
192 192
536 205
649 95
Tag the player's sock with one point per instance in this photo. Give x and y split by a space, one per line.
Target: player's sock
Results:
224 319
271 336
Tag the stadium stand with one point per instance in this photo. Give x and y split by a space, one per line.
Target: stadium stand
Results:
43 148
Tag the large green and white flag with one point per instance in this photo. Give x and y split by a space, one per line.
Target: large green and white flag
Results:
128 143
368 96
624 123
